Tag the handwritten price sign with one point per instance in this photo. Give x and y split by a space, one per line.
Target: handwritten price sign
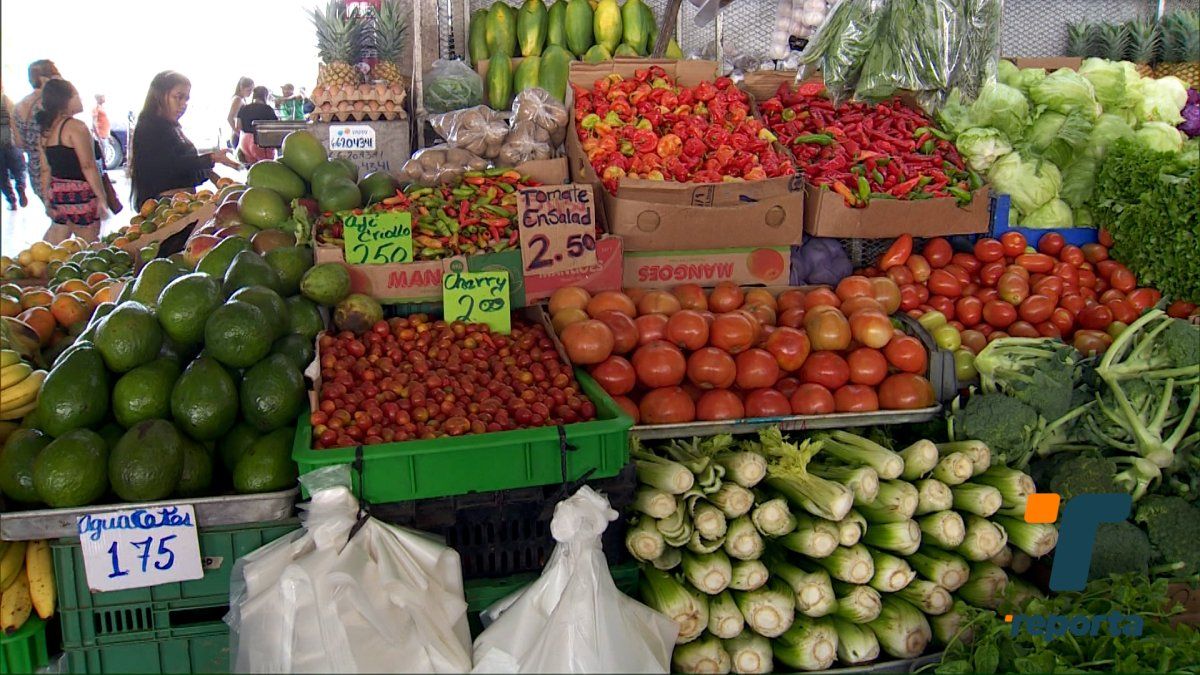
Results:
135 548
378 238
477 297
558 228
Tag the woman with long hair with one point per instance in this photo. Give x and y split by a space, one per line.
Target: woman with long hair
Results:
70 177
244 88
254 111
162 160
27 136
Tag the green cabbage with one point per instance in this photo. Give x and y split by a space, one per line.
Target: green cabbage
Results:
1107 129
1160 100
1028 78
982 146
1054 136
1078 181
1160 136
1111 81
955 116
1053 214
1066 91
1001 107
1008 73
1029 183
1083 217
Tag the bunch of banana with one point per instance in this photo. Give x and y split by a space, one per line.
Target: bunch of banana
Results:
19 386
26 583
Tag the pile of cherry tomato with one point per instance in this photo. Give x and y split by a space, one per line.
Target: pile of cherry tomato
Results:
419 378
1005 287
686 354
649 127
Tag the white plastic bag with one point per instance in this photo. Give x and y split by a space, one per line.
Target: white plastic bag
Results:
386 599
573 619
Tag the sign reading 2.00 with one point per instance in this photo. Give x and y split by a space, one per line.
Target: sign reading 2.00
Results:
134 548
378 238
558 228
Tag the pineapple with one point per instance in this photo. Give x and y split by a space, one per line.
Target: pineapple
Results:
390 28
340 45
1181 47
1142 48
1079 39
1110 41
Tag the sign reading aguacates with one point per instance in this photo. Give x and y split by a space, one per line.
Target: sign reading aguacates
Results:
135 548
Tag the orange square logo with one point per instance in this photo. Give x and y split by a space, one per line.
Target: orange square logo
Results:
1042 507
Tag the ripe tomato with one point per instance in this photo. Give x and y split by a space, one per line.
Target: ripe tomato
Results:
922 293
1122 279
999 314
989 250
1180 309
906 353
1036 262
1036 308
826 369
1023 329
1014 243
942 304
1122 310
726 297
756 368
853 286
862 302
1072 255
974 340
615 375
687 329
761 296
1104 237
812 399
1087 278
793 317
938 252
711 368
967 262
827 329
887 293
767 403
1051 287
790 348
733 332
990 273
1051 243
1143 298
1111 294
792 298
871 329
905 391
651 327
920 268
1105 268
624 330
867 366
1013 289
1096 317
691 296
1019 271
658 302
1094 253
958 272
908 297
626 404
611 300
1048 329
667 405
659 364
587 342
1091 342
719 404
942 282
822 297
1073 303
969 310
900 274
855 398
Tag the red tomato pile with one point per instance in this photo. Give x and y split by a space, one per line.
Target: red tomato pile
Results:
864 152
650 127
1004 287
410 378
687 354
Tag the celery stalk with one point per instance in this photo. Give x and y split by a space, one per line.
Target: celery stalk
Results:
919 459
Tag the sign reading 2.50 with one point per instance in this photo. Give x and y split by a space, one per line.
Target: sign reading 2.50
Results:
557 228
378 238
139 547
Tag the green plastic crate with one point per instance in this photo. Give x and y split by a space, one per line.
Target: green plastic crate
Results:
100 626
219 548
502 460
195 652
25 650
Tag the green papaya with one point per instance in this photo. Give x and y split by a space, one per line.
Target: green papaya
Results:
531 28
526 74
607 24
556 25
652 39
499 82
597 54
501 32
578 27
673 51
477 43
552 76
624 51
637 32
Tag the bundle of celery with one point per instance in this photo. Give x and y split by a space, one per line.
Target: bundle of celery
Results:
774 554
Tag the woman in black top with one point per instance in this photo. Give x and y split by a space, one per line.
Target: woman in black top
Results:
162 160
248 149
70 177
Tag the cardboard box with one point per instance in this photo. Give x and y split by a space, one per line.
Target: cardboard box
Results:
1050 63
606 276
769 266
421 281
659 215
546 171
185 223
826 215
392 145
763 84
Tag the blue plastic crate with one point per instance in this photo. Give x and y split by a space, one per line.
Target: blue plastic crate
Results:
1072 235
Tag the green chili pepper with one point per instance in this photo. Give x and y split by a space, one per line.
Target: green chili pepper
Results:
881 195
503 213
974 180
877 176
820 139
788 114
420 192
962 196
507 187
864 190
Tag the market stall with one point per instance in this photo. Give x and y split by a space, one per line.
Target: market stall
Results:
669 349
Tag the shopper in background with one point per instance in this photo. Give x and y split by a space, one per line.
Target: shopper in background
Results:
12 164
162 161
309 106
290 106
244 86
70 177
256 110
100 124
27 137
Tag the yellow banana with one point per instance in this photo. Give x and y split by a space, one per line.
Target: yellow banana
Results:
39 569
15 605
12 375
6 429
23 393
7 416
8 357
11 563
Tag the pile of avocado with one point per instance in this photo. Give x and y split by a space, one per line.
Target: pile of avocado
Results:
190 385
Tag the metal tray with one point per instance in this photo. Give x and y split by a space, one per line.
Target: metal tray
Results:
787 423
210 511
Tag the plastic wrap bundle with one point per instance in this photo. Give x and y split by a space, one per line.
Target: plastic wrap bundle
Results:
348 595
573 619
452 85
478 130
539 125
440 164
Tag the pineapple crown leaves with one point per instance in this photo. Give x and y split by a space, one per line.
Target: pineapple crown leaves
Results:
1181 36
1144 40
391 28
340 34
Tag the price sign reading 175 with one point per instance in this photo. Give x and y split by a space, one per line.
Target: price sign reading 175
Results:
558 228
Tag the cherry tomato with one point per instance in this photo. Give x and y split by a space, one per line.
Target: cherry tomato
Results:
1105 268
1122 310
1180 309
947 337
906 353
1051 243
969 310
909 299
920 268
1087 278
1036 309
1110 295
1014 243
1096 317
825 368
855 398
1036 262
990 273
1074 303
999 314
1062 319
964 366
923 293
1122 279
944 305
959 273
986 295
989 250
1143 298
996 335
971 289
1019 271
1071 255
1023 329
1048 329
932 319
938 252
974 340
1051 287
1013 289
905 391
900 274
966 261
867 366
942 282
1094 253
812 399
898 253
1092 342
1104 237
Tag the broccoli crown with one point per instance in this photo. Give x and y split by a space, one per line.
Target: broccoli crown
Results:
1182 341
1042 373
1084 474
1119 548
1174 526
1004 423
